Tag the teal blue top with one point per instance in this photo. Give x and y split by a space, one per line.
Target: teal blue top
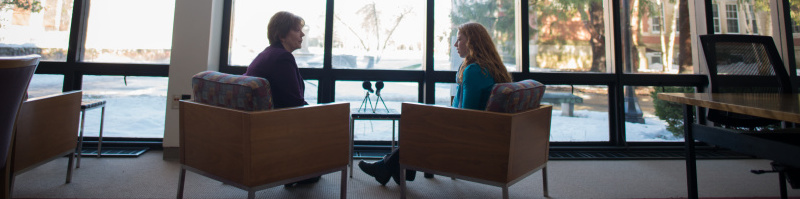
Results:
473 91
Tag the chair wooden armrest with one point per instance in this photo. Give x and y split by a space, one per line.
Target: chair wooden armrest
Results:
481 146
47 129
257 148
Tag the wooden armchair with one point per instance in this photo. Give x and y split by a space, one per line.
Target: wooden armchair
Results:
489 147
249 145
47 129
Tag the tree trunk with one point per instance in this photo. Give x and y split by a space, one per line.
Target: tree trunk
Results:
635 28
684 39
598 39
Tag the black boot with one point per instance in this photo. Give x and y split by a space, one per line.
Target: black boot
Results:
410 174
428 175
306 181
376 169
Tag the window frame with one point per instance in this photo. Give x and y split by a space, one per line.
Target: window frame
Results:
73 69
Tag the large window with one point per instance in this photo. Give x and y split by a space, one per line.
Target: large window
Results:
379 34
585 105
496 15
249 30
135 106
571 46
651 119
667 39
42 30
129 31
567 36
43 85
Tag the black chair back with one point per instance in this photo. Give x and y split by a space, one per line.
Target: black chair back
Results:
743 64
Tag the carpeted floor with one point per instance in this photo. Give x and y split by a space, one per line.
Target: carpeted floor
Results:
148 176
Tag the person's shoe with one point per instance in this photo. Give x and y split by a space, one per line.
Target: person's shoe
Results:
410 176
428 175
310 180
306 181
377 169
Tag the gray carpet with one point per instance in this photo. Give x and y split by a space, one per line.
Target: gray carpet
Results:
148 176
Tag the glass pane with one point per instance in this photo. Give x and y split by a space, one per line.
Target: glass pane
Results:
393 95
654 120
249 30
496 15
380 34
129 31
42 30
135 106
567 36
585 105
42 85
659 32
750 17
795 17
312 86
444 93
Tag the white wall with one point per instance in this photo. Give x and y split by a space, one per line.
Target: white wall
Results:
195 47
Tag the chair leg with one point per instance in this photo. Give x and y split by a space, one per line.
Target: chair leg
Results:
251 194
343 192
505 191
80 139
544 182
69 167
6 183
402 183
181 181
782 184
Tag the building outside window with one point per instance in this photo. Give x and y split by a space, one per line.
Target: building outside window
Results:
655 26
753 22
732 14
715 15
119 32
42 30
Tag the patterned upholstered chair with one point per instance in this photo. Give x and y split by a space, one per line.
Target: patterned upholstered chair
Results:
500 146
231 133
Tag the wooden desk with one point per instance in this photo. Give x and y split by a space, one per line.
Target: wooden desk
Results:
780 147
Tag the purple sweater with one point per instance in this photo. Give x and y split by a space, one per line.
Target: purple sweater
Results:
278 66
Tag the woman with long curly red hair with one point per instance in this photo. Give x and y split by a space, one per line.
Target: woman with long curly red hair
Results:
482 67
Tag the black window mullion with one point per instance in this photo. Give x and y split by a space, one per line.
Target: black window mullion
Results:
524 37
787 23
428 85
77 40
327 84
224 51
616 95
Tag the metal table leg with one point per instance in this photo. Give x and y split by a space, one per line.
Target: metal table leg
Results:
691 164
80 139
100 137
352 148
